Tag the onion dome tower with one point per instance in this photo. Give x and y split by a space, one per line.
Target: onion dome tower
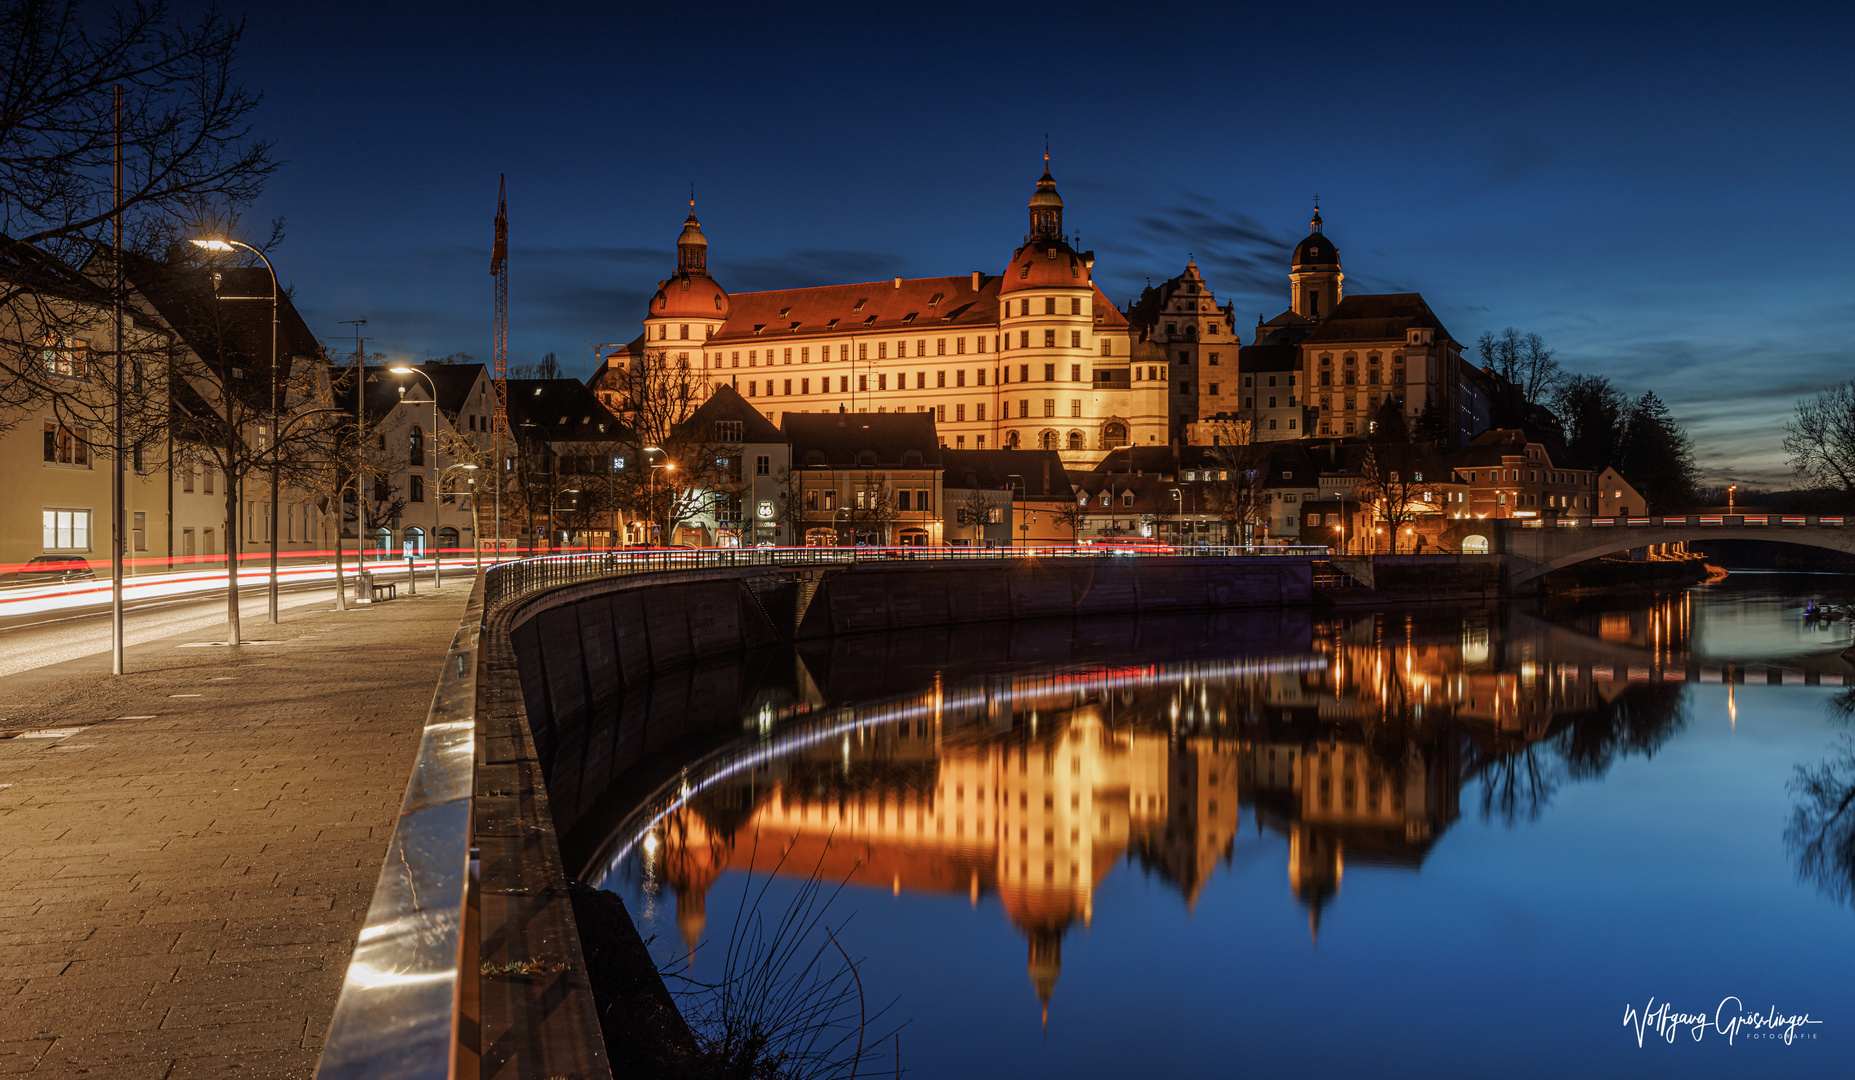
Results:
689 305
1315 281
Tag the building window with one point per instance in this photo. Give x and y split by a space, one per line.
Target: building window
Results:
65 356
1075 407
1049 406
763 465
959 413
415 454
417 488
685 334
786 387
863 350
1024 339
1024 409
66 446
752 387
67 530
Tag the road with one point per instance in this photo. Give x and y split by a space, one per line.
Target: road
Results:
34 640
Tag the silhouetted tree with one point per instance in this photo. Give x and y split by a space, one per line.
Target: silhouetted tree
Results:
1657 457
1819 440
1821 833
1595 415
1524 361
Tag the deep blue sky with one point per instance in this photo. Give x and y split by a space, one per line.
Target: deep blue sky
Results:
1662 193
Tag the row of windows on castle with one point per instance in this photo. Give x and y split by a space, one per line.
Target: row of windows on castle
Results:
1350 377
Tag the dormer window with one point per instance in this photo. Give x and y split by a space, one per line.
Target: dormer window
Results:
934 301
759 326
909 318
858 309
785 311
830 324
870 321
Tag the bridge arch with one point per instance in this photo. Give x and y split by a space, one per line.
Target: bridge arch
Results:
1535 547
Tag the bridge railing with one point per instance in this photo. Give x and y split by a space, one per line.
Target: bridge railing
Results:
1689 521
511 580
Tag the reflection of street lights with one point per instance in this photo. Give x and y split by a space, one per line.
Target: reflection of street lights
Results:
228 245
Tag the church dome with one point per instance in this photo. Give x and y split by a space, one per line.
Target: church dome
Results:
1315 250
1045 264
691 296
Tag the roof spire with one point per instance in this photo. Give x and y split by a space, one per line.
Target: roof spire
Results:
1314 225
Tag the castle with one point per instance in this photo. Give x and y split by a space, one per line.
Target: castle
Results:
1037 357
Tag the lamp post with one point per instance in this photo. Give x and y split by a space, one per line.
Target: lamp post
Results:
438 552
437 465
669 466
1731 490
1014 508
1178 512
228 245
552 504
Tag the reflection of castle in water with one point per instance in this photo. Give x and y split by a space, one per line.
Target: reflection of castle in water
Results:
1035 789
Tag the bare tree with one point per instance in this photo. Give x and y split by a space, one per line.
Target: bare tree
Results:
789 502
1072 514
975 510
872 510
1238 493
185 138
1394 481
1524 361
1819 439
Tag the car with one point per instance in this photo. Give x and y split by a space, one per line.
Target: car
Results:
48 570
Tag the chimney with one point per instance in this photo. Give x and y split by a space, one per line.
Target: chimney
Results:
898 283
976 277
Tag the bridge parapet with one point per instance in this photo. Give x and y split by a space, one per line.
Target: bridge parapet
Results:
1533 547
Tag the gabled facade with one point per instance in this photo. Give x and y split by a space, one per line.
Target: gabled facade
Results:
867 479
1511 473
748 505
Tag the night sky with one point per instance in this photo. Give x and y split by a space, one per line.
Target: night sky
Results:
1663 195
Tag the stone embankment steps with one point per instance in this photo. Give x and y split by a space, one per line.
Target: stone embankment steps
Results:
182 880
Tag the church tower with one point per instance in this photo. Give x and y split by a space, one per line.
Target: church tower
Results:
1315 281
1046 206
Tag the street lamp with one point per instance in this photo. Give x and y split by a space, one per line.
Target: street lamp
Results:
226 246
671 467
1178 512
1731 490
437 465
1014 509
552 504
476 544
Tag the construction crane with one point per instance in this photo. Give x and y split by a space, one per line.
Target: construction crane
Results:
499 269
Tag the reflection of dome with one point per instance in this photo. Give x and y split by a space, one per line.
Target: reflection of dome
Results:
1046 963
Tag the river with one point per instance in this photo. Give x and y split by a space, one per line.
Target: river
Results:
1443 841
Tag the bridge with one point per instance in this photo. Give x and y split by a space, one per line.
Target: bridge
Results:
1533 547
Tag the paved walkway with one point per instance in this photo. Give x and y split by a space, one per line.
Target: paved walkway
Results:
183 875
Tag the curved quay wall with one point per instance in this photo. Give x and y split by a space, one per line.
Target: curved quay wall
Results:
470 963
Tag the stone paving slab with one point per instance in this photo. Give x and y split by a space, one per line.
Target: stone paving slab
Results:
180 890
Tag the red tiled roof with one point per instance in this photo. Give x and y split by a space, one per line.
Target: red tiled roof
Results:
909 308
884 307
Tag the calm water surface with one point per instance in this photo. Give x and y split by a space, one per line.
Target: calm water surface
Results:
1447 842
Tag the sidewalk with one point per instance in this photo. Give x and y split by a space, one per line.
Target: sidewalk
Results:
182 876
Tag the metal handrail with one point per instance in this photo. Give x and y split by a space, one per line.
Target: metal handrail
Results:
398 1011
511 580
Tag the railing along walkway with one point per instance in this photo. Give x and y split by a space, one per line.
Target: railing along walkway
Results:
512 580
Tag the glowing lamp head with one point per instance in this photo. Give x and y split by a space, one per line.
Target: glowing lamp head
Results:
402 370
213 245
